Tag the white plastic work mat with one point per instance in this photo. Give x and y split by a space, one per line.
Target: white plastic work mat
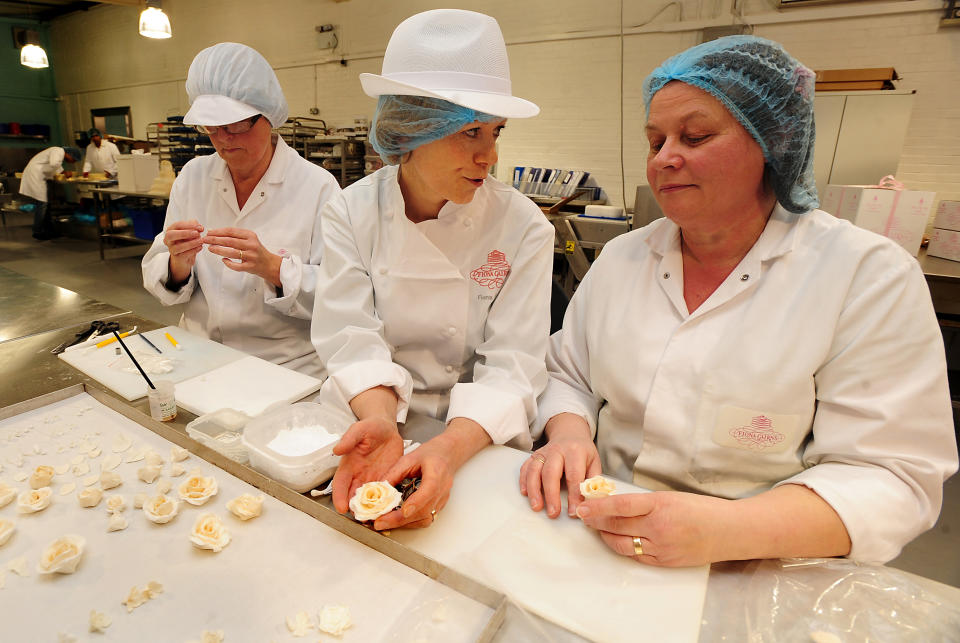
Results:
276 565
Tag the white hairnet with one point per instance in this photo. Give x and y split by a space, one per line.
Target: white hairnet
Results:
240 73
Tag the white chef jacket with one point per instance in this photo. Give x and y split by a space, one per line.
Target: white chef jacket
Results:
818 361
101 159
43 166
239 309
453 313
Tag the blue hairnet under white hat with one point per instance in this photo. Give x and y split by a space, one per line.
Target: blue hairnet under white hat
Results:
229 82
769 92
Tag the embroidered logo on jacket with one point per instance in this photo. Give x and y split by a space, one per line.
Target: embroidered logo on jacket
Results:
494 272
759 435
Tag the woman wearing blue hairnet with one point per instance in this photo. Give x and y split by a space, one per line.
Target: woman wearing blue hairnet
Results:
242 235
436 277
773 374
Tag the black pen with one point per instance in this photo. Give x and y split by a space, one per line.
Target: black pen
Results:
144 338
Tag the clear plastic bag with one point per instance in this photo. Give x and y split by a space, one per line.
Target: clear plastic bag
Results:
826 600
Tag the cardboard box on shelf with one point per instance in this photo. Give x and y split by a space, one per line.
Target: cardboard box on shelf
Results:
944 244
948 215
856 79
900 215
136 172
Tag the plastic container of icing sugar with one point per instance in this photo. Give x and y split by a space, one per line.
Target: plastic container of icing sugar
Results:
294 444
221 430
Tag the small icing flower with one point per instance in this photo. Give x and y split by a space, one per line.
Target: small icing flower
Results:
197 489
209 533
41 477
62 555
160 509
597 487
34 500
334 619
90 497
246 506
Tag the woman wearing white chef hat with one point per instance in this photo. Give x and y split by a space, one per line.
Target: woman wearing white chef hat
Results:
242 233
435 288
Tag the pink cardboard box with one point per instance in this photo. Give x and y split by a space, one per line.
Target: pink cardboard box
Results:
944 244
948 216
900 215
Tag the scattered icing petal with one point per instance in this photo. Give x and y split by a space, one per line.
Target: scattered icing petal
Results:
67 488
77 459
149 473
7 494
39 450
334 619
153 459
117 522
89 480
121 443
299 624
138 596
81 469
62 555
246 506
62 468
178 454
137 455
6 530
94 453
20 476
210 533
109 480
111 462
63 637
211 637
19 566
176 470
99 621
90 497
34 500
116 504
138 500
164 486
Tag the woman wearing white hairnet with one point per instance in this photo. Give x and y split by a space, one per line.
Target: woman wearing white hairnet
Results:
242 234
436 277
775 375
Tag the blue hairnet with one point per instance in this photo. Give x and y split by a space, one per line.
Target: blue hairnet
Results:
74 152
769 92
93 131
241 73
404 123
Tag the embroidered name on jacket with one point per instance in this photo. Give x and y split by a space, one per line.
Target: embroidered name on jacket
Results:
493 273
759 435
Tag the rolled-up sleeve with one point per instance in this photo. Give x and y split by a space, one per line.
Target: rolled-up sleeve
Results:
883 440
155 265
346 331
510 372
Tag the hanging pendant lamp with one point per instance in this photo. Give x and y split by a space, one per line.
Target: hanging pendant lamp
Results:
154 23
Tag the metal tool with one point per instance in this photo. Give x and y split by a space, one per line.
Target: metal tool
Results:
97 328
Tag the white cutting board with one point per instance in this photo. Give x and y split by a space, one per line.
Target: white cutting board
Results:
249 385
197 355
558 569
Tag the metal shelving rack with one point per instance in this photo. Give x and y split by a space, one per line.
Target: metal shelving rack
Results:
178 143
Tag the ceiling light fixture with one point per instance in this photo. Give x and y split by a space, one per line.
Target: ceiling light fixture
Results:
31 53
154 23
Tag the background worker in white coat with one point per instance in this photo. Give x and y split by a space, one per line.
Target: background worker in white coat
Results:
242 233
435 288
101 155
33 184
775 374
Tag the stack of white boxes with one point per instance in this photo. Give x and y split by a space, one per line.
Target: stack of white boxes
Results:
945 240
900 215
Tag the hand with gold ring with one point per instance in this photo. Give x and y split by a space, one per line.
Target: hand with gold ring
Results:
242 252
569 454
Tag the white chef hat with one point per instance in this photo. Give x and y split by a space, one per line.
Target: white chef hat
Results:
229 82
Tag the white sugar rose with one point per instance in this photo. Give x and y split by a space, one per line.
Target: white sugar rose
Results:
90 497
117 522
7 494
34 500
246 506
6 530
116 504
160 509
209 533
110 479
597 487
41 477
149 473
374 499
197 489
62 555
334 619
99 621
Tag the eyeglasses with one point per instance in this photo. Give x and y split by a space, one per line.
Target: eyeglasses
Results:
240 127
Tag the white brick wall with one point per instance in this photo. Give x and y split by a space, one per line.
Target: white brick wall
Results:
565 56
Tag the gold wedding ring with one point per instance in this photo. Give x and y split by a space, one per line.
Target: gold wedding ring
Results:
637 546
241 256
539 458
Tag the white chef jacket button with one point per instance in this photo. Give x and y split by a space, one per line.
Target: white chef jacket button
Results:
467 223
261 194
744 277
452 331
666 275
448 368
383 271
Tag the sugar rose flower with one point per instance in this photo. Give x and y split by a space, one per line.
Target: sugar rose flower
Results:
334 619
41 477
62 555
117 522
209 533
374 499
197 489
116 504
246 506
6 530
90 497
160 509
34 500
597 487
7 494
